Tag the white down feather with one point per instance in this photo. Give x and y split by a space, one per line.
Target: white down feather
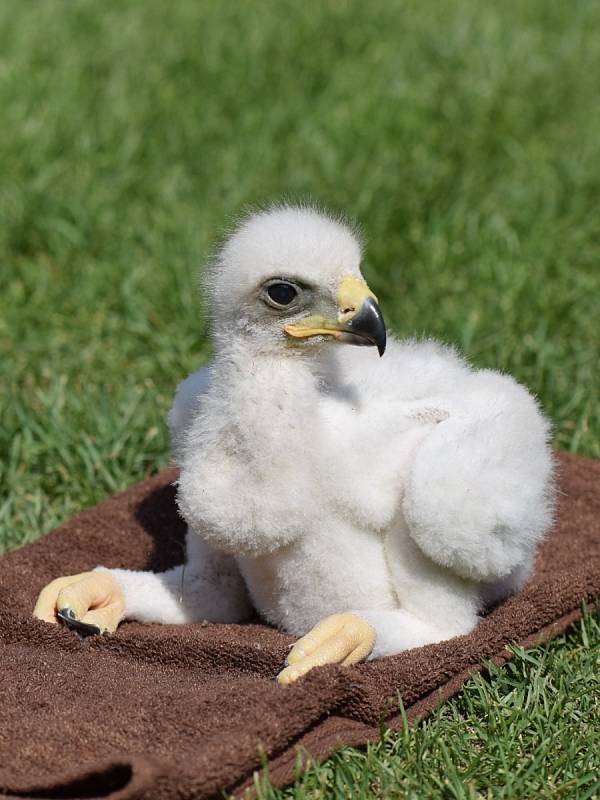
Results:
411 489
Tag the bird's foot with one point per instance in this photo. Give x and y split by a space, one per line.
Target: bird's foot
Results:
340 639
92 602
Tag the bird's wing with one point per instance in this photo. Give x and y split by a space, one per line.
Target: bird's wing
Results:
185 403
479 493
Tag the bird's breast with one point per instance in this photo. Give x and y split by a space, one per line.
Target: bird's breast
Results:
367 455
338 568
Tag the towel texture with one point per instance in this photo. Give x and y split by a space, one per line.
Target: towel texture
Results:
186 711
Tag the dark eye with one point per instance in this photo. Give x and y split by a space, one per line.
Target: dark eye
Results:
282 294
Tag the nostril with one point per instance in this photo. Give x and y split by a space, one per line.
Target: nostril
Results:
348 309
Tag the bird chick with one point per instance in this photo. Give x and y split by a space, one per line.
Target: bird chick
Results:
365 505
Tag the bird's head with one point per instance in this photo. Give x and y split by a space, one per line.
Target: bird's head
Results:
289 277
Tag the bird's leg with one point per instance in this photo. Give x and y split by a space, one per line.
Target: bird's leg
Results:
208 586
339 639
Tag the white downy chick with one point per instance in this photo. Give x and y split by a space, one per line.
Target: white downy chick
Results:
317 479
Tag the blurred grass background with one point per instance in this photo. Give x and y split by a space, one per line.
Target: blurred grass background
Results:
465 138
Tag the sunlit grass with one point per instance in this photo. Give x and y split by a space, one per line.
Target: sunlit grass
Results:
465 137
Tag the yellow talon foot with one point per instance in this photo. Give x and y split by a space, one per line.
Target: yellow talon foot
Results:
340 639
94 598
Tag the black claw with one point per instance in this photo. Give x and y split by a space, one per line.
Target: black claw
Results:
67 615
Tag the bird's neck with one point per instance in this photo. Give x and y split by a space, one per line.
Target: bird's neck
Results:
264 388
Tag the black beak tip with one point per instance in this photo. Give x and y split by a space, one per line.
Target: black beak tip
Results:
376 326
368 326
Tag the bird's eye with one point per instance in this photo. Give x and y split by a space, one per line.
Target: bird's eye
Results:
281 294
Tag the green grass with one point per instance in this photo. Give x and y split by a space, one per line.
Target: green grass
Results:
465 137
529 730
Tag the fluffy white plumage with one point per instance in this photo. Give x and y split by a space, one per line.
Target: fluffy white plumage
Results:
317 478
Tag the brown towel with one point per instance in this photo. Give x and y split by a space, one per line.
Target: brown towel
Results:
185 711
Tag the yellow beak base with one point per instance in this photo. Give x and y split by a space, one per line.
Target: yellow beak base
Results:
359 320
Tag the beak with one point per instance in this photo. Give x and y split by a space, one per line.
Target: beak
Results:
359 321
